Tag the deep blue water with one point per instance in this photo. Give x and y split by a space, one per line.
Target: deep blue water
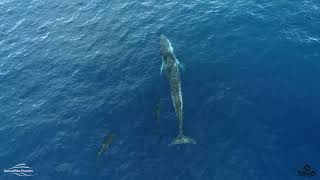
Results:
73 71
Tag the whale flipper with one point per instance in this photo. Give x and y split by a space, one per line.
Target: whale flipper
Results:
182 139
181 66
161 69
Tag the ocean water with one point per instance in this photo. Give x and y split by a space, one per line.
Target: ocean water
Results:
71 72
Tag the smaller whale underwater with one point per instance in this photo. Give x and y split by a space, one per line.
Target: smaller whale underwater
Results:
105 144
170 65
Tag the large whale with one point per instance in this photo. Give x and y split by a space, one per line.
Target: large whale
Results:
170 65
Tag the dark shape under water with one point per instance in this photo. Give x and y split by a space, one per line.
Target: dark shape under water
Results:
157 111
105 144
306 171
307 167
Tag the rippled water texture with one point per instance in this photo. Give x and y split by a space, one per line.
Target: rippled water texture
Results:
73 71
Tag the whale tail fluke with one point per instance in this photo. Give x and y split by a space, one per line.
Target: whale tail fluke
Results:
182 139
